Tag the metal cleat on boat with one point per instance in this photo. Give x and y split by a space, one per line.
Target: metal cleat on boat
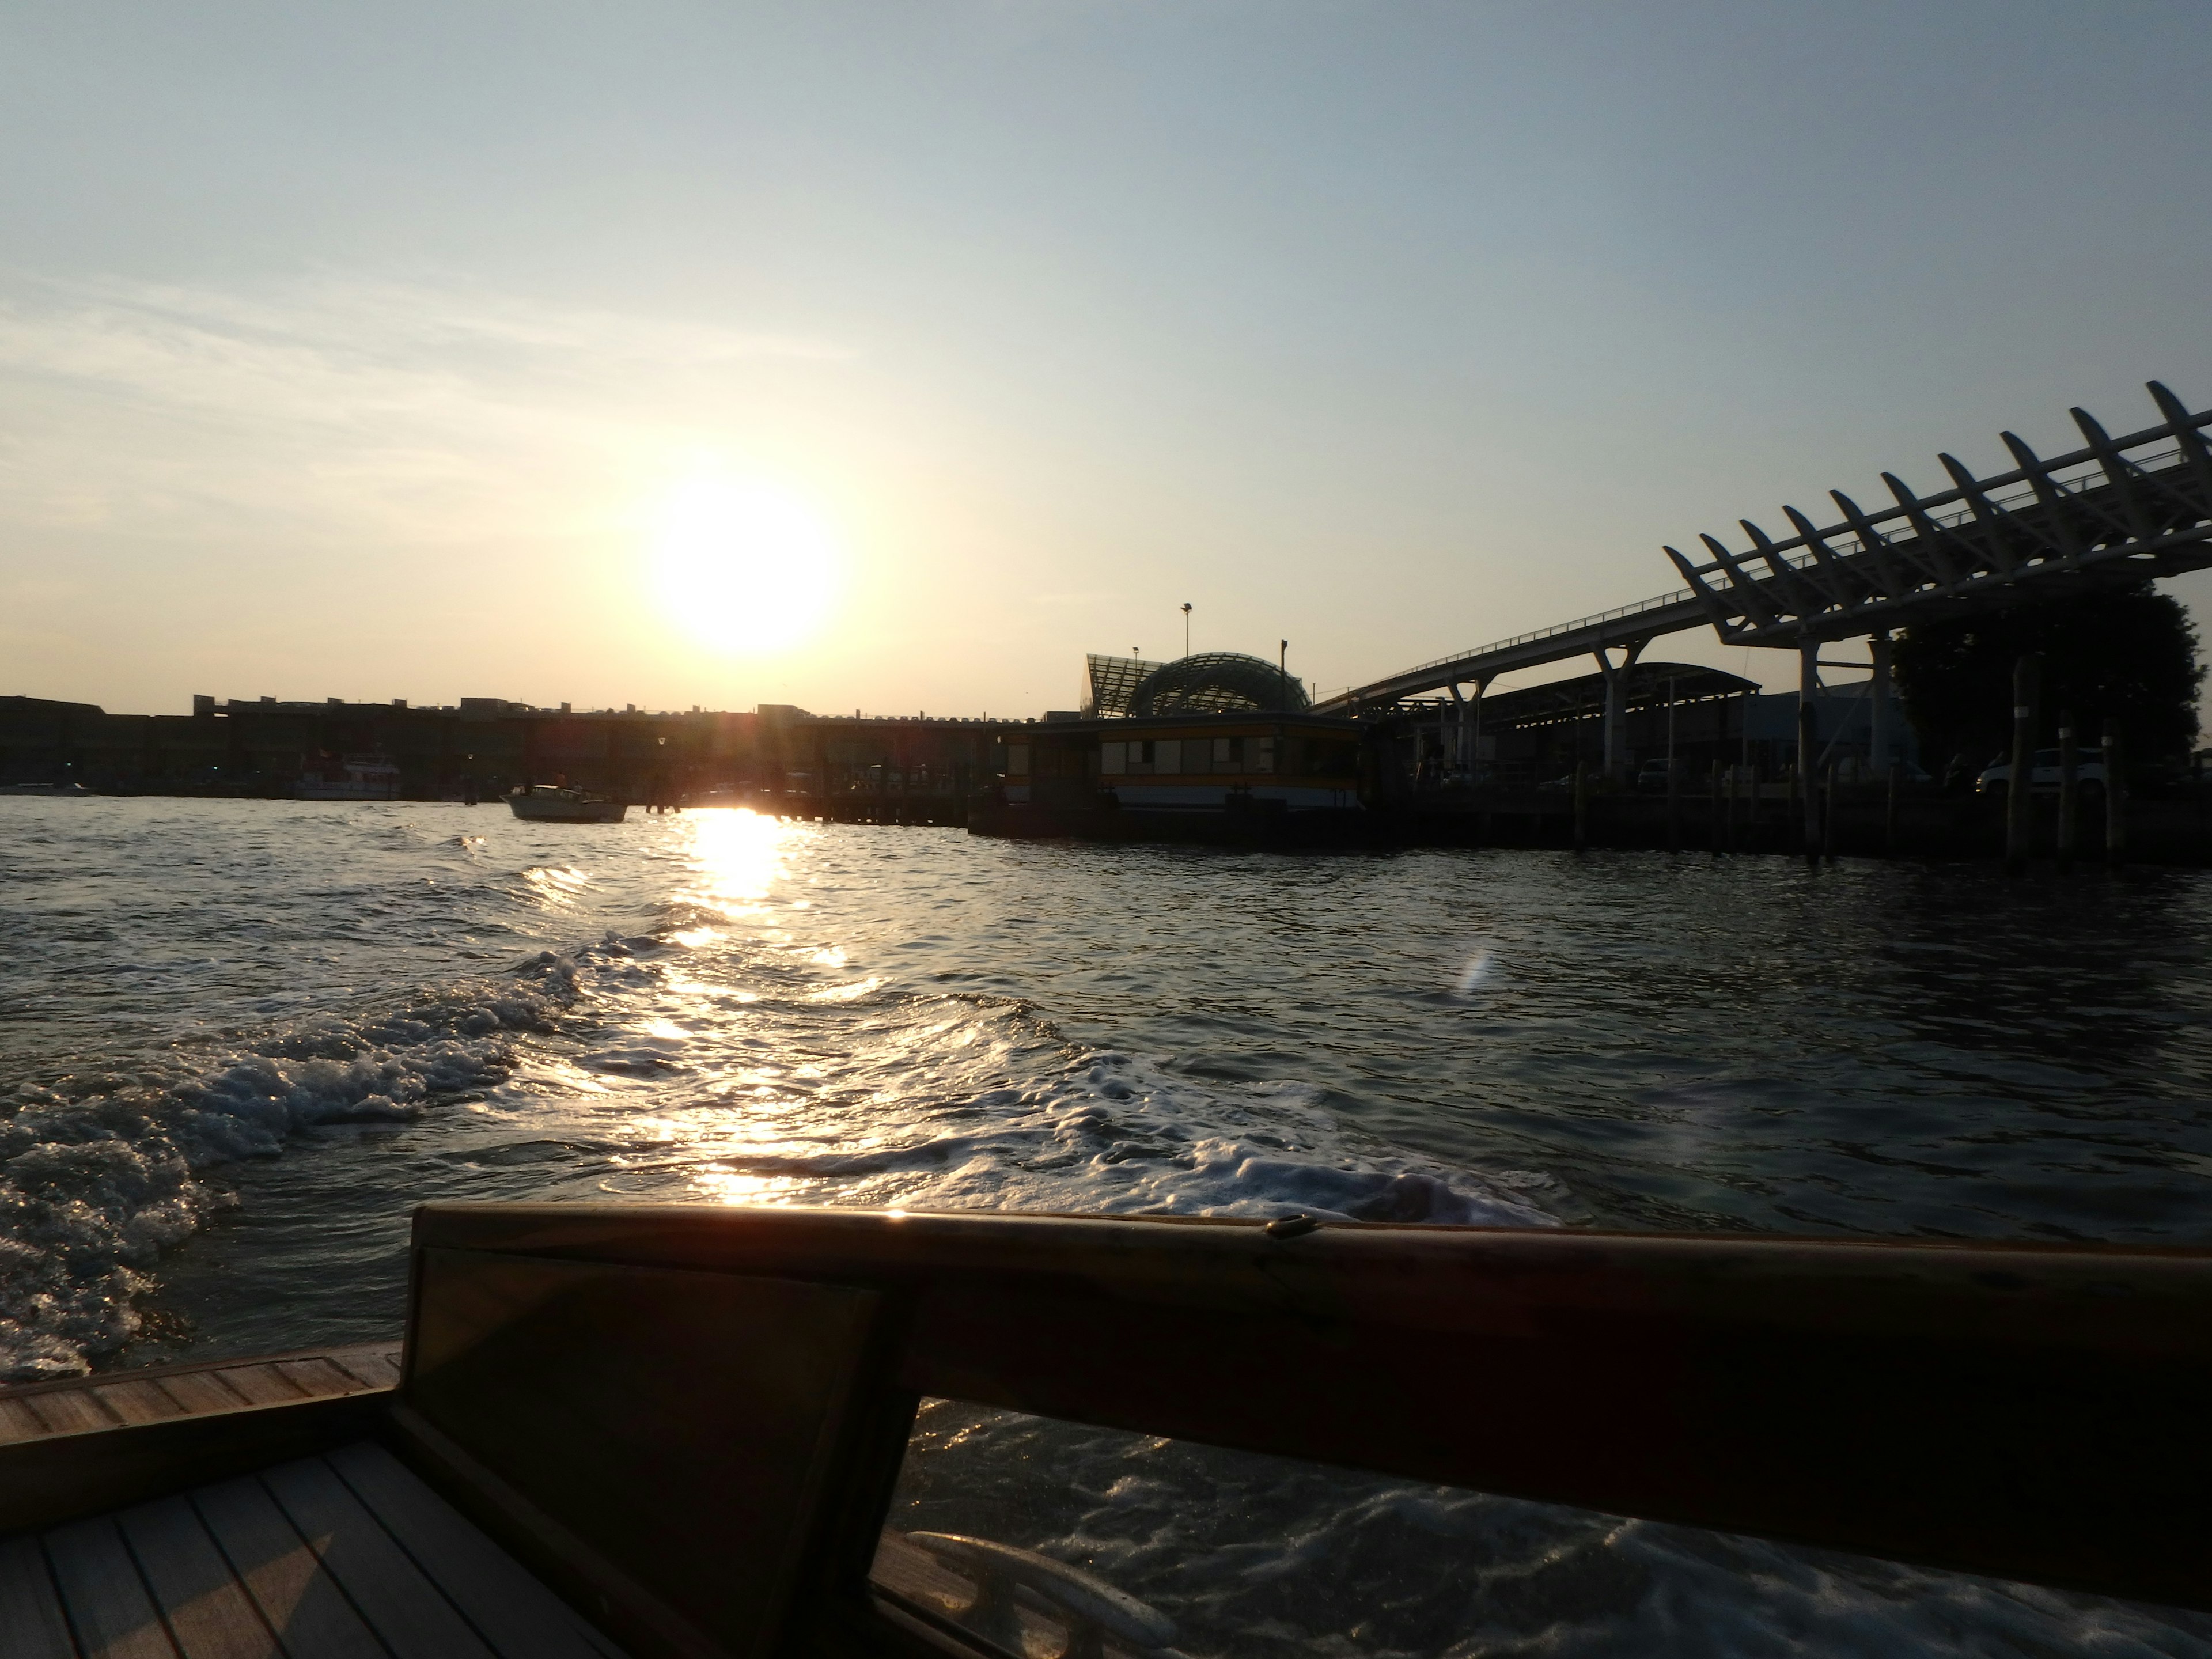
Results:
1005 1577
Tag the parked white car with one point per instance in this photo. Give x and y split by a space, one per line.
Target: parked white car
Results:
2043 774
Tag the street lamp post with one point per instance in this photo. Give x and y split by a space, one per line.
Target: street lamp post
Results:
1186 627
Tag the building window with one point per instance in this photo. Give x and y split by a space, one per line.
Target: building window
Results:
1330 758
1017 760
1167 754
1112 758
1261 757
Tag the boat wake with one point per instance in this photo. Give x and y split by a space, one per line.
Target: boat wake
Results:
101 1171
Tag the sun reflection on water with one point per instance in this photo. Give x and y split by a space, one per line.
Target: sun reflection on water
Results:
731 1187
555 886
736 859
747 1104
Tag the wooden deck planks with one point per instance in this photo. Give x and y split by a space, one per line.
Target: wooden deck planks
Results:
515 1613
317 1378
200 1391
286 1578
376 1365
138 1402
71 1411
261 1384
405 1608
85 1404
108 1604
208 1614
348 1557
31 1621
16 1422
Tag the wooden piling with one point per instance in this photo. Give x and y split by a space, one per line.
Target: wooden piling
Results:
1582 806
1889 812
2116 797
2068 796
2027 675
1673 798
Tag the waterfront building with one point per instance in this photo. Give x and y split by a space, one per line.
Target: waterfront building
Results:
1184 764
1213 740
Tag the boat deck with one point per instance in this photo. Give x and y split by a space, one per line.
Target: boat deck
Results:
158 1393
348 1556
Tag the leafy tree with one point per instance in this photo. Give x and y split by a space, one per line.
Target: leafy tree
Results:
2130 653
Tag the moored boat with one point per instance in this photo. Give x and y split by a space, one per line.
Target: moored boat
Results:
356 777
547 803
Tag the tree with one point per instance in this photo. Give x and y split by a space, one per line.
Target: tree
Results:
2128 655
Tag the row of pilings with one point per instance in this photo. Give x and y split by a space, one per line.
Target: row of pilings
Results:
1729 811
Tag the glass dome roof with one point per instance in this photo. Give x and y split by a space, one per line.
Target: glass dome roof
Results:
1217 682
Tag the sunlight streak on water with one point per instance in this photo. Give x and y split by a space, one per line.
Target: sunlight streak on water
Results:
737 856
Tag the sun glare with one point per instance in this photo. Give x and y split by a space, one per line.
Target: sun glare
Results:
743 566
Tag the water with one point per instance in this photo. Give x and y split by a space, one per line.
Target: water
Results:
239 1039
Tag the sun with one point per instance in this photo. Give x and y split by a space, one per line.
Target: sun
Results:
744 566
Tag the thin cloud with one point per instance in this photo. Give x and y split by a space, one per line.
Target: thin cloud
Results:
161 404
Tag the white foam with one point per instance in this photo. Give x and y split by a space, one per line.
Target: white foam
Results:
1116 1134
95 1184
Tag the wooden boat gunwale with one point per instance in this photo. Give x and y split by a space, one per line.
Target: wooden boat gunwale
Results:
2034 1411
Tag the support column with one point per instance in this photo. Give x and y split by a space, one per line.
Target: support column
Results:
2026 683
1458 749
2116 797
1615 760
1808 689
1609 727
1880 741
2068 796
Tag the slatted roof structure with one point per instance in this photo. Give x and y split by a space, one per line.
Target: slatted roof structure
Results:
2115 511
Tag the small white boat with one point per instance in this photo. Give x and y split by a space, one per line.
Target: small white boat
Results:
545 803
357 777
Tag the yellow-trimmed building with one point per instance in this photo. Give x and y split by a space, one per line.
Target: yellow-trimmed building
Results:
1179 767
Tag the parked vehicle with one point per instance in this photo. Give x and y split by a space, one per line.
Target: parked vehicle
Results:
2042 776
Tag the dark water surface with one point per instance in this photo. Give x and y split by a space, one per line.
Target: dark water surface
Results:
238 1039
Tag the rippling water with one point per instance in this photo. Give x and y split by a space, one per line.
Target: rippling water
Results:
238 1039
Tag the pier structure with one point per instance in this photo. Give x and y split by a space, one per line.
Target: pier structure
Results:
2115 513
895 768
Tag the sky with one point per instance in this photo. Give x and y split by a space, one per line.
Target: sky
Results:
893 355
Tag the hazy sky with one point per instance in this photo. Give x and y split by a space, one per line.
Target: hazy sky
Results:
360 351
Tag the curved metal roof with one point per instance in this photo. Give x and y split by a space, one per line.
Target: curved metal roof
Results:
1217 682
